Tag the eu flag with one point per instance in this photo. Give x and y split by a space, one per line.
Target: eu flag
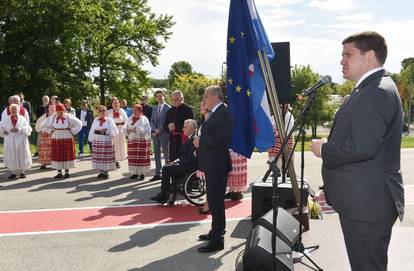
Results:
247 99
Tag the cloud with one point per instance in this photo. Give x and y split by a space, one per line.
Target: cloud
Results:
333 5
356 17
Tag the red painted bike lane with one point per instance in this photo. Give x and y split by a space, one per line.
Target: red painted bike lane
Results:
38 221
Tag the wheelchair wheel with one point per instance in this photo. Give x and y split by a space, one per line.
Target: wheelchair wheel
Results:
195 189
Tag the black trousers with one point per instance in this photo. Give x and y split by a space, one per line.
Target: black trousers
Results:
170 174
216 189
367 243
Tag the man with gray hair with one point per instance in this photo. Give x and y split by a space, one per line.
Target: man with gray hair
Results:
213 159
179 168
174 123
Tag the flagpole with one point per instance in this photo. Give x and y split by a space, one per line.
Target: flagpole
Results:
277 113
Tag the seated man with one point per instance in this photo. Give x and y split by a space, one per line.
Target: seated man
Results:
179 168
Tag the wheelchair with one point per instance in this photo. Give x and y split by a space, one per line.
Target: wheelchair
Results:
193 189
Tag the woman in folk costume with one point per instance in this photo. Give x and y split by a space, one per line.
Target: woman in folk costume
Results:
237 179
15 99
120 118
63 126
15 130
101 134
45 140
138 130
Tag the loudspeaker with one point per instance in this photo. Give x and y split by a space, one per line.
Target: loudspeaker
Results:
258 253
287 227
280 67
262 197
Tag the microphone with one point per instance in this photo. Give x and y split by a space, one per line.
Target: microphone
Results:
324 80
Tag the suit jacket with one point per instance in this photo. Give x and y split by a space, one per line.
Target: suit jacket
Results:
88 118
159 124
361 160
213 153
187 157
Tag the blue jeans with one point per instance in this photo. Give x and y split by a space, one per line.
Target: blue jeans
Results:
84 131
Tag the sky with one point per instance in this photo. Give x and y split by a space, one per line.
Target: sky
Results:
314 28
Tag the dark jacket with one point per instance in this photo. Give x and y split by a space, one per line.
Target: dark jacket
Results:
187 157
89 116
213 153
361 160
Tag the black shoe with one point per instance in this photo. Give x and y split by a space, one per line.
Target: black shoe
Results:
67 175
58 176
36 154
207 237
228 195
42 167
236 196
322 187
203 212
106 175
134 176
22 176
170 201
211 247
155 178
101 175
142 176
118 165
158 198
12 177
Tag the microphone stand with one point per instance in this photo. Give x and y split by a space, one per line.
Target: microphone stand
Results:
298 247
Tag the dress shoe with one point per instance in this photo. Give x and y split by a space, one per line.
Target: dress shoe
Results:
12 177
202 211
42 167
22 176
228 195
211 247
236 196
171 199
58 176
134 176
155 178
207 237
322 187
142 176
67 175
118 165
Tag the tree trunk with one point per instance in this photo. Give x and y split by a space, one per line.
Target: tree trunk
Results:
102 84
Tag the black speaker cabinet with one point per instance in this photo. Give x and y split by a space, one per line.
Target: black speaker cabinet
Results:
287 226
258 253
280 67
262 197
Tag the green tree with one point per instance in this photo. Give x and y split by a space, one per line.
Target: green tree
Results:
177 69
345 88
406 85
192 86
322 109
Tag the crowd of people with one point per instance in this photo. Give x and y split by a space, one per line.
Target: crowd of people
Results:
121 133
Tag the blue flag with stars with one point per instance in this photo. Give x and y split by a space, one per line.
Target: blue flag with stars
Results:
247 99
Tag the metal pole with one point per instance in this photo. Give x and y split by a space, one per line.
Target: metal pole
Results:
277 115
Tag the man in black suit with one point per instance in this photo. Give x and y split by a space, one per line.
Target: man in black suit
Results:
179 168
86 116
361 158
214 161
25 104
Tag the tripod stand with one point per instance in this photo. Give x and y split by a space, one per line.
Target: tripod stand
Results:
298 247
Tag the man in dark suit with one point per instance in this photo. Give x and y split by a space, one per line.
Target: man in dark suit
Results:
25 104
160 136
86 116
147 109
214 161
361 158
184 165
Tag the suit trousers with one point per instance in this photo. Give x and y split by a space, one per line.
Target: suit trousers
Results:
216 189
160 142
170 174
367 243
